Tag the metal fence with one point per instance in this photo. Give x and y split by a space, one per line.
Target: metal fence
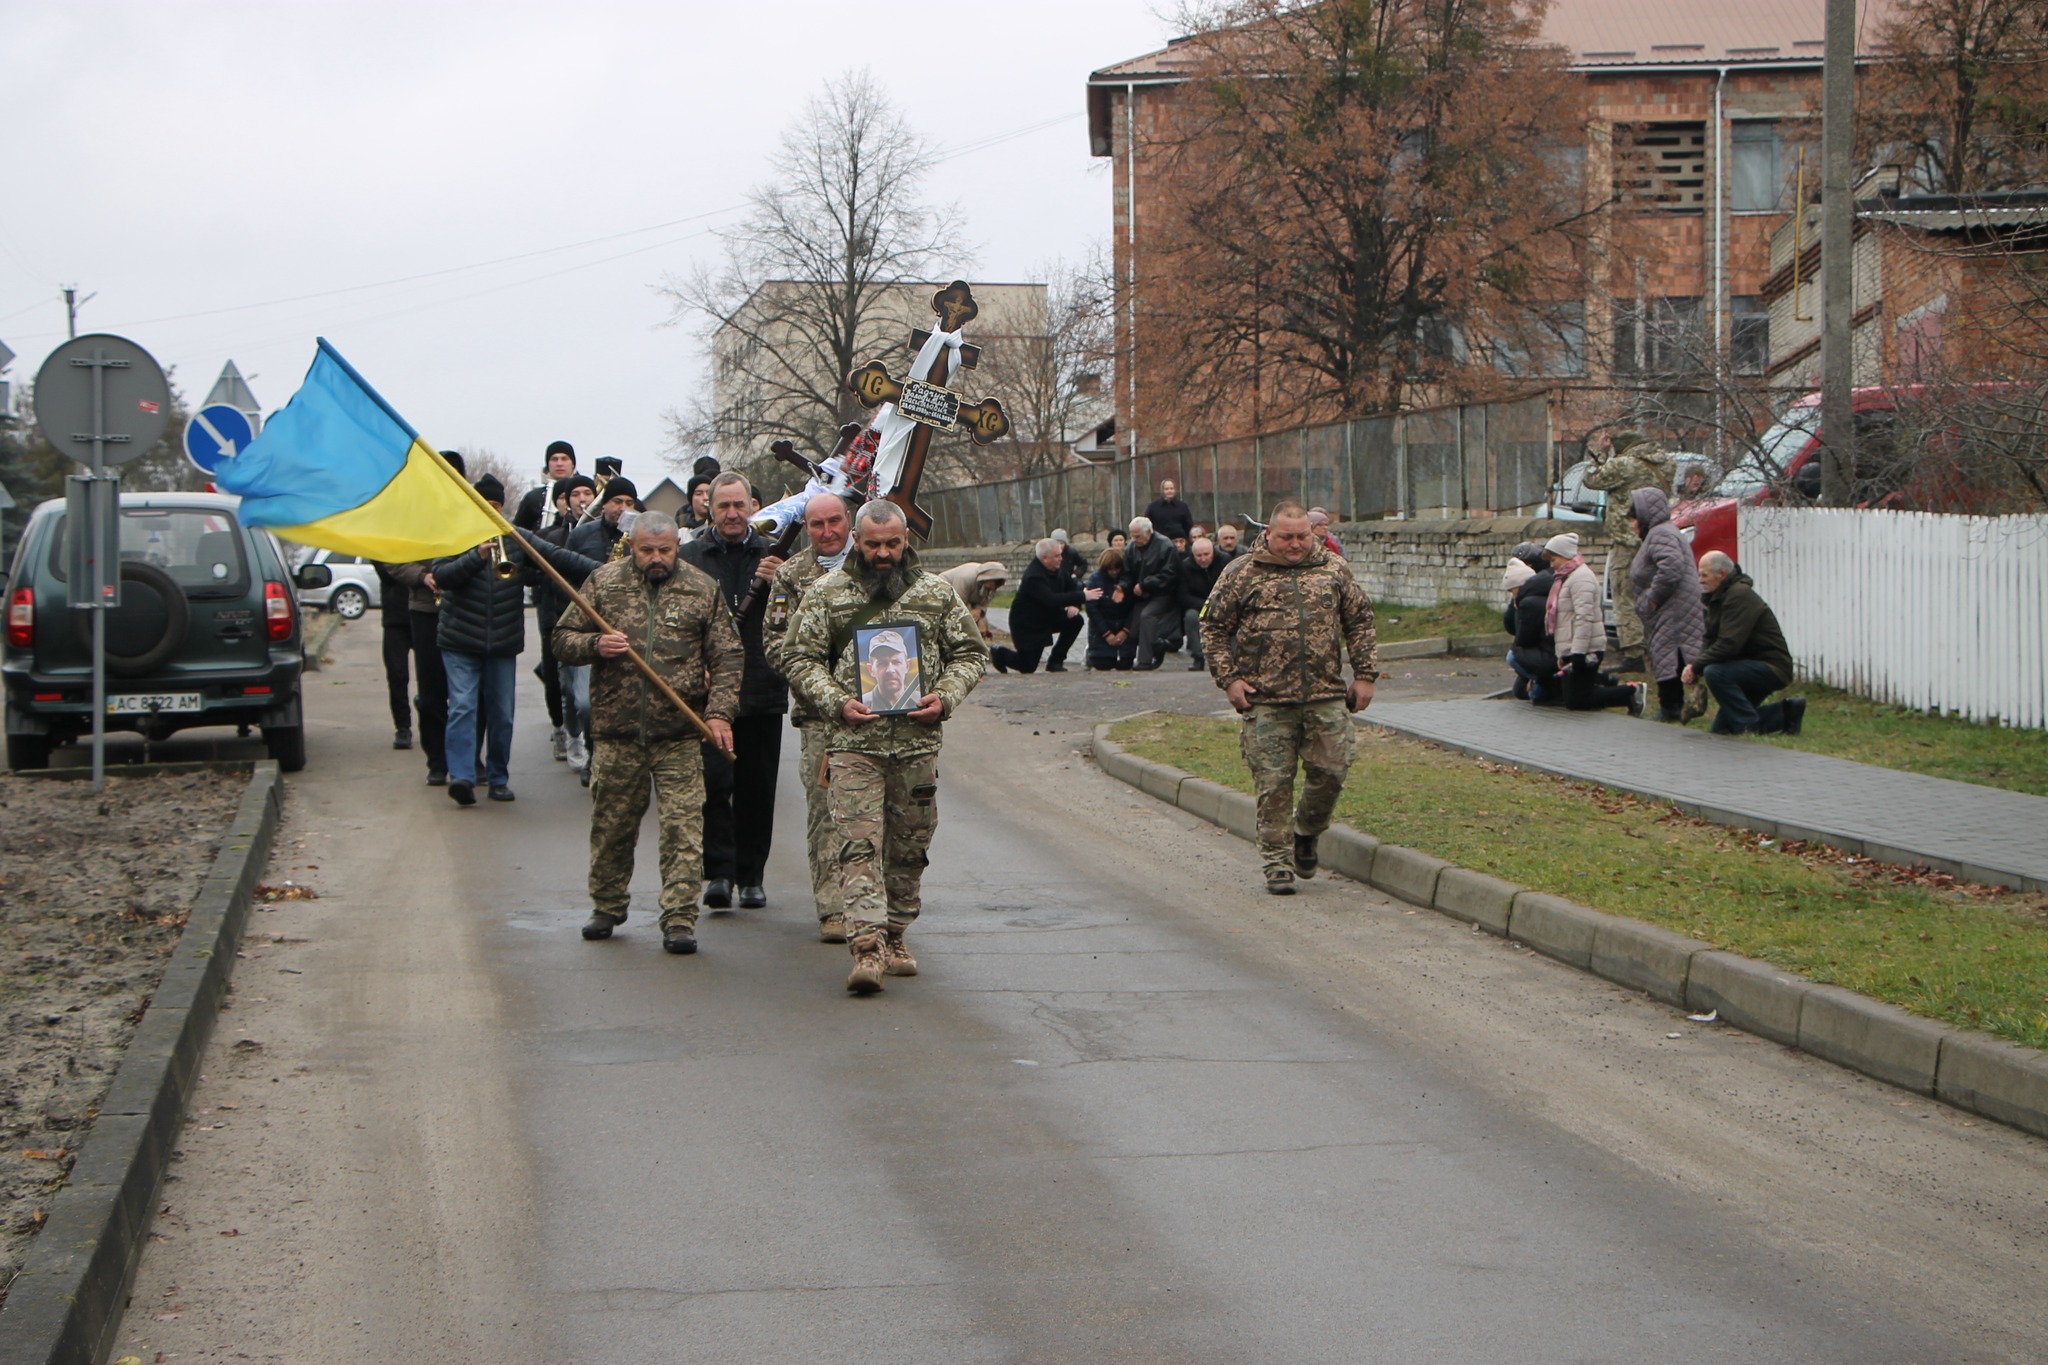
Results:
1920 609
1437 462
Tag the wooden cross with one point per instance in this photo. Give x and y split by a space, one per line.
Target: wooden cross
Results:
929 403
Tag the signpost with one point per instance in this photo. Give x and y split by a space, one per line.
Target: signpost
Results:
103 401
217 433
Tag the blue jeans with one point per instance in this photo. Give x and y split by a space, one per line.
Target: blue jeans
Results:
576 692
480 685
1740 686
1537 689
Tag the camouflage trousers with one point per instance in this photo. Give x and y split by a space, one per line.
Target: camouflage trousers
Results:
1628 627
884 811
820 843
621 775
1321 738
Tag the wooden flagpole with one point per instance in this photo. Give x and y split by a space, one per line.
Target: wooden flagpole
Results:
646 669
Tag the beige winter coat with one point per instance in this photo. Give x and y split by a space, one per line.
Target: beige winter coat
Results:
1581 627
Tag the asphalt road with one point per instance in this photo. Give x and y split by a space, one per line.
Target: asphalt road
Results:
1131 1111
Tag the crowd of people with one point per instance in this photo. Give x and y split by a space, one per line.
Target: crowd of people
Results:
671 653
1698 630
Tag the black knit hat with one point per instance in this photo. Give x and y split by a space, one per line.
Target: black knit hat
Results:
491 489
621 484
559 448
564 487
454 459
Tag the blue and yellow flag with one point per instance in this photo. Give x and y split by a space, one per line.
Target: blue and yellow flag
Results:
337 468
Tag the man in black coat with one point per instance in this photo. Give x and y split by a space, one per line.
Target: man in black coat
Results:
1200 567
735 849
1152 566
1170 516
559 463
482 632
599 537
1049 606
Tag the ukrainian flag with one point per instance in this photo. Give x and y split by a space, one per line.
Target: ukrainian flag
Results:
338 468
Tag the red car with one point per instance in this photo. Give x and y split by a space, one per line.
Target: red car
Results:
1788 459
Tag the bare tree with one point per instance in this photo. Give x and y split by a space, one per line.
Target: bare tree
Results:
803 292
1961 101
1052 381
1372 196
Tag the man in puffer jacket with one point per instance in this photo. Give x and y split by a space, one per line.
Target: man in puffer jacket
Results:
1573 618
482 632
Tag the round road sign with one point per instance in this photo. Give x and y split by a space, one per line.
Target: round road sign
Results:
135 401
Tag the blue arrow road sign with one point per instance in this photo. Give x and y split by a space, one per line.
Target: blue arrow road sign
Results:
215 434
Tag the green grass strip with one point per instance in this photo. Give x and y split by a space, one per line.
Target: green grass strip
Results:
1965 956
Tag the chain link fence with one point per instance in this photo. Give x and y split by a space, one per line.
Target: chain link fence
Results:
1474 459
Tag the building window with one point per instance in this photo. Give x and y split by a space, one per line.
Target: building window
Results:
1668 339
1749 339
1661 167
1554 344
1756 167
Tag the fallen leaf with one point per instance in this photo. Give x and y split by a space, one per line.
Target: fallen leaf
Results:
231 1232
34 1154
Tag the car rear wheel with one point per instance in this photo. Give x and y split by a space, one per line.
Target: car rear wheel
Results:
349 602
28 753
149 626
287 744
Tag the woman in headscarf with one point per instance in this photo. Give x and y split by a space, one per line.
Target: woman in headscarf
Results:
1666 589
1579 629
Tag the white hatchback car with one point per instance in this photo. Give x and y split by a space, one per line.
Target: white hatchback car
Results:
355 589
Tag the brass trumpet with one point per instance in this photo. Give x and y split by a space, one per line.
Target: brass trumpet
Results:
501 561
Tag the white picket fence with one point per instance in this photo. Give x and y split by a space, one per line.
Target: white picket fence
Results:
1936 612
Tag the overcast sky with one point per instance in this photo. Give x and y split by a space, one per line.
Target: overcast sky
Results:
474 201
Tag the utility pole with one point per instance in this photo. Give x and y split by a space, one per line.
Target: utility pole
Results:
72 303
1837 264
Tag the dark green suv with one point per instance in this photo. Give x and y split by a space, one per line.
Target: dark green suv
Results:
208 631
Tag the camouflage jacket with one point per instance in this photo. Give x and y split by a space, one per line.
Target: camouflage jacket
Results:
682 627
953 657
1282 628
792 580
1642 465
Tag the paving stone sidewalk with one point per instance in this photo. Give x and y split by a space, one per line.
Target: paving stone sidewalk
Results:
1980 833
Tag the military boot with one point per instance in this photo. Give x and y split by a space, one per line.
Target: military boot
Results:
896 958
832 928
866 946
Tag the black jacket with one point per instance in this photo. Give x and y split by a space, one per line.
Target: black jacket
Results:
1196 581
1105 615
1156 565
394 598
1043 596
731 566
533 508
1535 650
594 540
480 612
1075 563
1170 517
1741 626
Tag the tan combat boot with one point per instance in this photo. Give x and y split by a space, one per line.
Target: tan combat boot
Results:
832 928
866 946
896 958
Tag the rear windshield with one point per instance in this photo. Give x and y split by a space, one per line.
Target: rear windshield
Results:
199 547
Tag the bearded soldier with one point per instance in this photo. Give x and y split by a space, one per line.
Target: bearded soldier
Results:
881 772
828 524
1275 631
1622 463
676 618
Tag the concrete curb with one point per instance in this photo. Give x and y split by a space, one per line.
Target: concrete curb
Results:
1970 1071
66 1304
318 636
1457 646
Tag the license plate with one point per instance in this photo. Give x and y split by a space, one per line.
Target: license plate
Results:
143 703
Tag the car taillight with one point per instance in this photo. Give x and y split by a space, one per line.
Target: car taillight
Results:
277 611
21 618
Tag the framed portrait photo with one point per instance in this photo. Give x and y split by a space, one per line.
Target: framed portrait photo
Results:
891 667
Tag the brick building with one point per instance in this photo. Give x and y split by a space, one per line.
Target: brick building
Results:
1698 117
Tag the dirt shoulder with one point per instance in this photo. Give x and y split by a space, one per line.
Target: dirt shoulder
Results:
94 892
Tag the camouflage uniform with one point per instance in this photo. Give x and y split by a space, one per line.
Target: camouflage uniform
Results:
685 630
1636 464
791 581
882 777
1283 630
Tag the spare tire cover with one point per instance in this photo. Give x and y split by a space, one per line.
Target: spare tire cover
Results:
149 626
